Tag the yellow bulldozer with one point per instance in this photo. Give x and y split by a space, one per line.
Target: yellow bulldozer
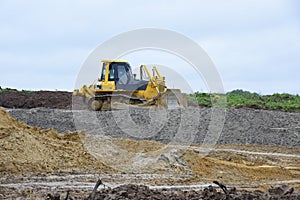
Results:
117 86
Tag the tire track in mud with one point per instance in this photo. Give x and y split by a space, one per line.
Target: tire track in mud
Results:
86 182
256 153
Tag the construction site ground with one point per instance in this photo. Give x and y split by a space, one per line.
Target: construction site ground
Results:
257 149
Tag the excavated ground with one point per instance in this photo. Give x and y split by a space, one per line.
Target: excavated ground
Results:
256 149
36 162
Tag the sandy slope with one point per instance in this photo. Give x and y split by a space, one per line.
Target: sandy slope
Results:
30 149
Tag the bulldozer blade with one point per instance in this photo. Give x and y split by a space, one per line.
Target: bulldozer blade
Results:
172 98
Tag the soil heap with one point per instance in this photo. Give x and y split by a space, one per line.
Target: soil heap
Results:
24 148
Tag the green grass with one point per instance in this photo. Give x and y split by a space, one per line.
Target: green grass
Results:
244 99
8 90
13 90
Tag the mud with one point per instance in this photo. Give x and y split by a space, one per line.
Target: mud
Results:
38 189
144 192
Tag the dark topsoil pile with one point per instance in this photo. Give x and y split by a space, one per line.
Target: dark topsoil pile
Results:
46 99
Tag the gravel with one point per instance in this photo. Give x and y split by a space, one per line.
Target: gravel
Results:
191 125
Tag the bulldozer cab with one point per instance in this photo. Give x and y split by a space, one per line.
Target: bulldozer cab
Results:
119 72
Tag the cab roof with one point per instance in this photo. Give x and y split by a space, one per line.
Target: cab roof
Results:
117 61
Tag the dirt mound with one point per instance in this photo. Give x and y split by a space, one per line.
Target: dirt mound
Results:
143 192
47 99
29 149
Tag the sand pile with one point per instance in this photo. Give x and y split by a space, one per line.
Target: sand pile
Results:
25 148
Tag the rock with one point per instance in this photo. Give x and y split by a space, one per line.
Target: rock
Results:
280 190
123 193
211 188
164 158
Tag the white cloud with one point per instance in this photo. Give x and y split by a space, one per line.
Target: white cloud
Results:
262 56
250 41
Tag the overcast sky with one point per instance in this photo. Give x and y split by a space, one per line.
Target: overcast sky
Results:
254 44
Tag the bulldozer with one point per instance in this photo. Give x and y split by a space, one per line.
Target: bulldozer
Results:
117 86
